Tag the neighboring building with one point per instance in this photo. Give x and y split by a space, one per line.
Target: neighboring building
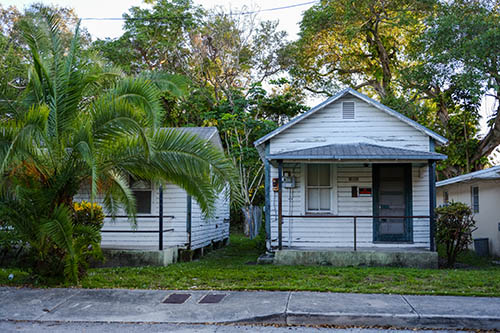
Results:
350 156
186 226
481 191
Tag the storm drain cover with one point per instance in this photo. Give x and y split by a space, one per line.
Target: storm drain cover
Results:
212 298
176 298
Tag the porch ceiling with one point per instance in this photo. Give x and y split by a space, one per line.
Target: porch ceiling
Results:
355 151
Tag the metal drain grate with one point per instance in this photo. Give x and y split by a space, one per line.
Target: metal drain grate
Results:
212 298
176 298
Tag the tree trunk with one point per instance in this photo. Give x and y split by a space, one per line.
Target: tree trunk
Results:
252 216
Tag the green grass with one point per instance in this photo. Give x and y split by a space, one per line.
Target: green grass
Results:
229 268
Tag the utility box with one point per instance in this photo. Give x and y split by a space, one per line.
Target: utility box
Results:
481 247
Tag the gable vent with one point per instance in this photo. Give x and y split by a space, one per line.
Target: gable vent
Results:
348 110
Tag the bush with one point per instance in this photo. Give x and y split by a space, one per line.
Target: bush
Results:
455 225
88 214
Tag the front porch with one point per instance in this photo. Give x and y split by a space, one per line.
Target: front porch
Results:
328 202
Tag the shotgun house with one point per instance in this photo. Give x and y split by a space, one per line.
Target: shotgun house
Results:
350 175
166 216
481 191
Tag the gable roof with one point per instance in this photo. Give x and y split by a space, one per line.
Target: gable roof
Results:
355 151
342 93
205 133
491 173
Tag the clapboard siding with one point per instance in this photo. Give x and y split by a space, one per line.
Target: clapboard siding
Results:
370 125
421 202
174 204
207 230
338 232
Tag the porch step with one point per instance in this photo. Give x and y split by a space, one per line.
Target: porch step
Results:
266 259
346 258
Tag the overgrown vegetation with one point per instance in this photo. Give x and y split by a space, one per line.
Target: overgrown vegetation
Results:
455 224
234 268
81 125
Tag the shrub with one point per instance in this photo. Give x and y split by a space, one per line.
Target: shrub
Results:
455 225
88 214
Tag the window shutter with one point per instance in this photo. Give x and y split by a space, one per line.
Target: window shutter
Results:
348 110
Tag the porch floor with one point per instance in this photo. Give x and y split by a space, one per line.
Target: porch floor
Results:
364 257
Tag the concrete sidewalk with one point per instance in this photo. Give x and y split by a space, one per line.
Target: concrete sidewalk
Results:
300 308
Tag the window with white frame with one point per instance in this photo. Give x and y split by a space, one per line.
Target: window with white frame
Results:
142 192
319 188
474 191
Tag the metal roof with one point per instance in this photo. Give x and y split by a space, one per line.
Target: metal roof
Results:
491 173
204 133
355 151
342 93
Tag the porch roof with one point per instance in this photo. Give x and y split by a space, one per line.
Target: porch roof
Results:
355 151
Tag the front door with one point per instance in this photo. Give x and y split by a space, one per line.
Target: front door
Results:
392 197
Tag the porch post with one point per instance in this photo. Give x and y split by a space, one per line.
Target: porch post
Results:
432 204
160 219
267 188
188 220
280 205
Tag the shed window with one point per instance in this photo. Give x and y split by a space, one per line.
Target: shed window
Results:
142 192
319 188
348 110
475 198
446 198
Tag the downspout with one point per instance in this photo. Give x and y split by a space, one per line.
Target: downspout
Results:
188 221
432 198
267 189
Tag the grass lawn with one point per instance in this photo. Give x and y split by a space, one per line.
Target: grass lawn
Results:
234 268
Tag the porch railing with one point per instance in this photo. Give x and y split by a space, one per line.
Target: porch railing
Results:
160 230
353 217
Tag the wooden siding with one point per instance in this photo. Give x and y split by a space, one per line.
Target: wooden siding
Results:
338 232
174 204
370 125
204 230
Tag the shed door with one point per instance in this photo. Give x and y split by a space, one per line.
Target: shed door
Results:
392 197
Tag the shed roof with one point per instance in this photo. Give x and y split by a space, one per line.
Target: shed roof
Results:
356 151
491 173
439 139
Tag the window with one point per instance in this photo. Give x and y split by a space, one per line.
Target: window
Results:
446 198
142 193
319 188
475 199
348 110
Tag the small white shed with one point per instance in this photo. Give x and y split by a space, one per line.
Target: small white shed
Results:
481 191
350 173
184 226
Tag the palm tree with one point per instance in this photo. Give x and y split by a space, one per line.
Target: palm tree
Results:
78 124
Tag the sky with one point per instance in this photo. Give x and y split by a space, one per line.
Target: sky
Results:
288 20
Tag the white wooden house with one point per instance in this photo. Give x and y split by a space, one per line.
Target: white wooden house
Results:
184 226
481 191
347 166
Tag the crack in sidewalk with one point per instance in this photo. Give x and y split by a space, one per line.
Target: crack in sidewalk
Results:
411 306
285 314
58 305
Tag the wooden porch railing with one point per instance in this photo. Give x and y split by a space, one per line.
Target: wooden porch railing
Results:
353 217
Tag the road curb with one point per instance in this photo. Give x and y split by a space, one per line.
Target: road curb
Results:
405 321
